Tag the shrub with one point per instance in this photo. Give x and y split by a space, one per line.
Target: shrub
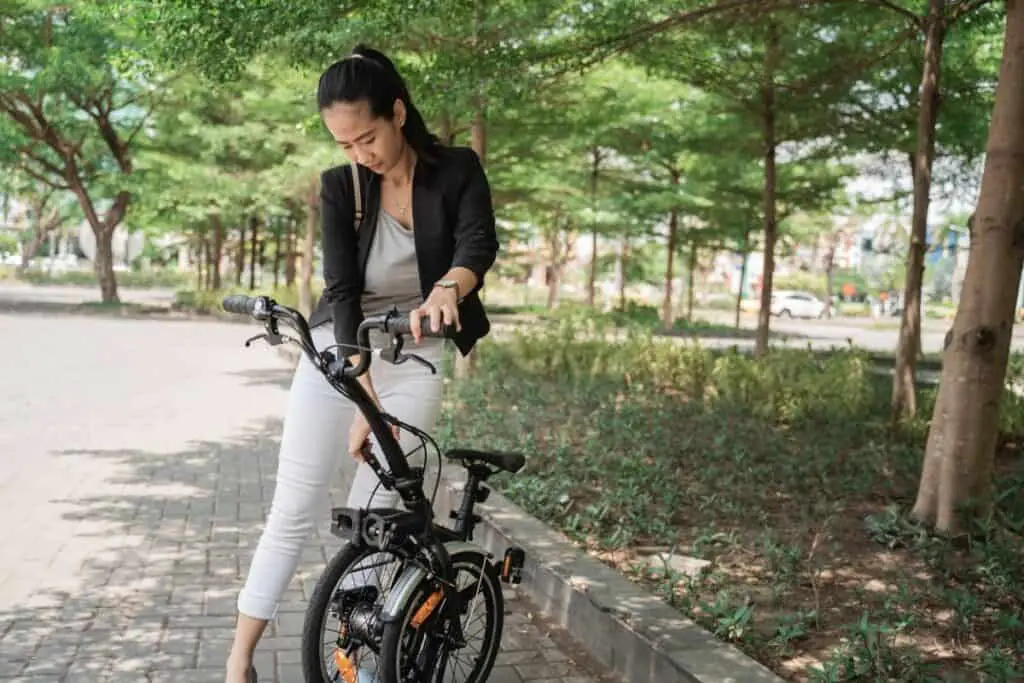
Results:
786 385
209 300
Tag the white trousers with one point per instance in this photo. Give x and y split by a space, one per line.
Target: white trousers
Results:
314 438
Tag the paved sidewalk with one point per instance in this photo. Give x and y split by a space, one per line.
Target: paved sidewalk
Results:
135 476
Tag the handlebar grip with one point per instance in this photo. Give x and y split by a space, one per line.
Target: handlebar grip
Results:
239 303
400 324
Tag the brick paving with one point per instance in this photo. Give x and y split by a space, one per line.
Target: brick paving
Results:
137 466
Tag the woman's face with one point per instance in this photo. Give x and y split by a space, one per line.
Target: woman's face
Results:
376 143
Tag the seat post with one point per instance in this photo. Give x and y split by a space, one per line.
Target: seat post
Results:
464 517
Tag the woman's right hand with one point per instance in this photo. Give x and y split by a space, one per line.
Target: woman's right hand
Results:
359 435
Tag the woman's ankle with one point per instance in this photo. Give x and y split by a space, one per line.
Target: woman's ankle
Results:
248 632
238 659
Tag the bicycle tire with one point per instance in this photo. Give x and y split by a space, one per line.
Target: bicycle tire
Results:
392 638
317 608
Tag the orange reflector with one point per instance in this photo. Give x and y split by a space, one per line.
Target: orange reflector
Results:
425 609
345 668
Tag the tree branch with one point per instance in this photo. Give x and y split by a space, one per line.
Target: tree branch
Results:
916 19
48 166
963 8
827 75
19 116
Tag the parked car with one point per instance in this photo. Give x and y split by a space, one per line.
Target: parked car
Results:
797 305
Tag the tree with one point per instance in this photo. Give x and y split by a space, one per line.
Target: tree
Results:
957 470
234 164
785 74
70 116
934 25
47 211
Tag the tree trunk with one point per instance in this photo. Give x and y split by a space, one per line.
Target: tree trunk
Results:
464 364
103 229
830 267
104 264
218 251
277 253
691 281
770 226
673 226
554 281
904 398
446 128
254 245
592 275
289 264
240 255
203 261
43 228
743 278
961 444
621 259
666 305
308 247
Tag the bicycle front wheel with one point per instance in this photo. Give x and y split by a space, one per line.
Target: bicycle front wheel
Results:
342 609
466 643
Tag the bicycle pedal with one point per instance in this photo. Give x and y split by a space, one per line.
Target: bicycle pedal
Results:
512 565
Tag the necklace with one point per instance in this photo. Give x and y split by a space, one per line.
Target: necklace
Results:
401 209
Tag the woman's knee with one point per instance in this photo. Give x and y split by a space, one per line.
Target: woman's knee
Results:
291 519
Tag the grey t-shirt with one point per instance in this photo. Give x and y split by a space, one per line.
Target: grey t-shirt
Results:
392 274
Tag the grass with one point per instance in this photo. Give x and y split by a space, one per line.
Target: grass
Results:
783 474
87 278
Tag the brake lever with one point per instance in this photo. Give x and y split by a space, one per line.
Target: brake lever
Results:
273 338
393 354
418 359
272 335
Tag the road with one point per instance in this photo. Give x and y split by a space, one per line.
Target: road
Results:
138 463
66 294
876 335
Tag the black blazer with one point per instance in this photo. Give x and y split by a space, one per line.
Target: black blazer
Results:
453 225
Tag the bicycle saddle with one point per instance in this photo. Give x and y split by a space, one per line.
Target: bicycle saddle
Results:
509 462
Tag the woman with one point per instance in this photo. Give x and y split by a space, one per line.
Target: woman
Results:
424 244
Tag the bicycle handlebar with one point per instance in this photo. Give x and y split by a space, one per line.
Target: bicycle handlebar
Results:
392 323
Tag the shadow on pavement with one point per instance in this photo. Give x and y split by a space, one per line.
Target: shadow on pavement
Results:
160 605
279 377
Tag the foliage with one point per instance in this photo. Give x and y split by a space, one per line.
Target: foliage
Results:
783 473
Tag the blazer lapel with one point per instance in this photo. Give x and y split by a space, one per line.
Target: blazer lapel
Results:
365 232
428 226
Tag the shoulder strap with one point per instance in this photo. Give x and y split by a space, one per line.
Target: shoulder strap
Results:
357 192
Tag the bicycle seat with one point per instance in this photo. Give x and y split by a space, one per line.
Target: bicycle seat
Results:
509 462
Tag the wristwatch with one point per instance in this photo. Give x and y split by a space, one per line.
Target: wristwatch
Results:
450 284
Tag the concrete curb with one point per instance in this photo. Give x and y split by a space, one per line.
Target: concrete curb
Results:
622 626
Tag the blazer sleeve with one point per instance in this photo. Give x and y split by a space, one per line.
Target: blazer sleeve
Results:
476 240
343 283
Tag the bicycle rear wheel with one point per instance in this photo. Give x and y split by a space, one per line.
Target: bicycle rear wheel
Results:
468 642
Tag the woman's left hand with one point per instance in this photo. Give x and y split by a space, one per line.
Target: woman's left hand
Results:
442 306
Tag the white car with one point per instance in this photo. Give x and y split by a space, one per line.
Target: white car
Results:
797 305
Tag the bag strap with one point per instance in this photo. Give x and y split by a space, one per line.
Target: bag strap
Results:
357 192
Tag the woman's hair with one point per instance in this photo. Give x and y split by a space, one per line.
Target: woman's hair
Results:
367 74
